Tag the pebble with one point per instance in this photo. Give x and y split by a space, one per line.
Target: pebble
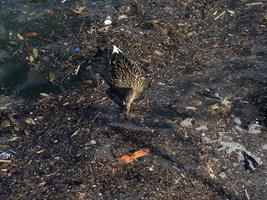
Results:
91 142
264 147
237 120
108 21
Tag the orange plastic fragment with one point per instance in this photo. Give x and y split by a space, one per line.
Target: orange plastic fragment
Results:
128 159
30 34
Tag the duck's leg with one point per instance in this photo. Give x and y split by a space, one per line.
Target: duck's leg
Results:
113 95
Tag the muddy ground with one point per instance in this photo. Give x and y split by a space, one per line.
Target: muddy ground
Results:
203 116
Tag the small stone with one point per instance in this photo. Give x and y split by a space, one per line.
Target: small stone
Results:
237 120
108 21
222 175
264 147
91 142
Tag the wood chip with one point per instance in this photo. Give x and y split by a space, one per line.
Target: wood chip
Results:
128 159
5 161
158 53
30 34
219 16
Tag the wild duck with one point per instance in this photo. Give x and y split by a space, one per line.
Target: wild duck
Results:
125 77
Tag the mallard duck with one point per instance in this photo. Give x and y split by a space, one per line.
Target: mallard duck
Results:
125 77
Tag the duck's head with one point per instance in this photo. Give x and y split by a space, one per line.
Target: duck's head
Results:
130 96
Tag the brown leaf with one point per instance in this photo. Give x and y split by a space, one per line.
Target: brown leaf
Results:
5 124
158 53
30 121
79 9
30 34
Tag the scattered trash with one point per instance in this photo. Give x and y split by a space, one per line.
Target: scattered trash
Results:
249 162
77 50
4 155
128 159
254 128
244 155
186 122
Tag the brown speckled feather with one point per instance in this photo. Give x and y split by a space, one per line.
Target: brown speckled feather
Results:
125 73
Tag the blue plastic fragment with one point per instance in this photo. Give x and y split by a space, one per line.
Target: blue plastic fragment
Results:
77 50
4 155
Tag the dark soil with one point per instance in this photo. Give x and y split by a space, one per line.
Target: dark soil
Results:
207 63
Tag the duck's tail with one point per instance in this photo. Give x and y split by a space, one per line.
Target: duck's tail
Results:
116 50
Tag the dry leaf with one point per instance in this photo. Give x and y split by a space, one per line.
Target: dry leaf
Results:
30 34
88 82
27 132
35 52
128 159
5 161
20 36
79 10
5 124
32 13
158 53
15 138
31 58
30 121
40 151
52 77
43 94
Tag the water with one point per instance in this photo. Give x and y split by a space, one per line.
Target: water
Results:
18 17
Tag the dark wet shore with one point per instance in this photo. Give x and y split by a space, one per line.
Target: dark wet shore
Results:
202 118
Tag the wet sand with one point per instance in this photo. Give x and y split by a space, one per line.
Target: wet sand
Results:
202 118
